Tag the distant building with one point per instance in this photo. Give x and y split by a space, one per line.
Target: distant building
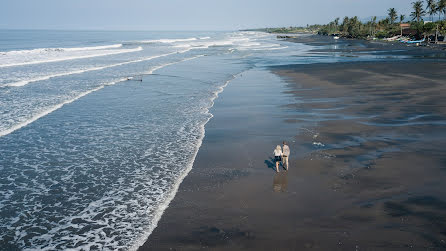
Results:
406 30
425 22
404 26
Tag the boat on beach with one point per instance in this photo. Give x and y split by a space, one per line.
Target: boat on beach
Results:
392 38
413 41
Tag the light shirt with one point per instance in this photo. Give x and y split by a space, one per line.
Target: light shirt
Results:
277 152
286 150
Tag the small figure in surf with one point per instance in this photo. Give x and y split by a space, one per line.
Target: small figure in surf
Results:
277 156
285 155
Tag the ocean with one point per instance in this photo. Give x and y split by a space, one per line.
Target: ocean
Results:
98 129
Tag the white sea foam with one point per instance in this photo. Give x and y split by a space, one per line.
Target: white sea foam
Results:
204 45
165 41
48 56
44 50
204 42
25 82
151 71
54 108
318 144
171 195
237 41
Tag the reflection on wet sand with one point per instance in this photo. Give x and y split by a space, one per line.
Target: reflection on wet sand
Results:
280 182
374 134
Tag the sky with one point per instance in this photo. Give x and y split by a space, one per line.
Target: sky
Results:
185 14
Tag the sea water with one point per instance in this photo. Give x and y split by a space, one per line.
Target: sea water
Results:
98 129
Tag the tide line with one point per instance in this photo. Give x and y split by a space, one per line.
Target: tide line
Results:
58 106
54 108
151 71
42 50
25 82
71 58
171 195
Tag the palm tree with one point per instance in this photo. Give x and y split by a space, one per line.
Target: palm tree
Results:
441 7
418 11
354 27
373 24
431 8
402 17
336 22
392 15
345 24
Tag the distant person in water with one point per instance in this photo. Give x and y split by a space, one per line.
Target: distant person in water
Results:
285 155
277 156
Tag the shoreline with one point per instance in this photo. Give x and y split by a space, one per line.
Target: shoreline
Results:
367 45
354 180
174 191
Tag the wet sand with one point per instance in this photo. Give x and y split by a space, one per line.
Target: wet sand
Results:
367 168
327 44
382 134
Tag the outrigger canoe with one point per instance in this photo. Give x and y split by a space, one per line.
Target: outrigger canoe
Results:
414 41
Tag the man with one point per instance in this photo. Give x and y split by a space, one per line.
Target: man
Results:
285 155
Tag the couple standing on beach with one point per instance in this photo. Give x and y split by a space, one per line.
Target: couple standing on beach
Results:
282 154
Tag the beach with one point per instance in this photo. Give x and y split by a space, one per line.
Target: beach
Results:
367 158
163 125
164 141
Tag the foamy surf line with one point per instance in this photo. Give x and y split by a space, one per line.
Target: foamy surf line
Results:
58 106
25 82
167 40
171 195
54 108
40 50
58 59
151 71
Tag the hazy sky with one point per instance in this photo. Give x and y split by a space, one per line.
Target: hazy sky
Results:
184 14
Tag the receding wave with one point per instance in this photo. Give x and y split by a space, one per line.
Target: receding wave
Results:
39 56
56 107
236 42
164 41
25 82
43 50
171 195
167 40
205 45
151 71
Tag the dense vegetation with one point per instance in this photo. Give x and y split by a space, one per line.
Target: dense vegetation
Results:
352 27
390 26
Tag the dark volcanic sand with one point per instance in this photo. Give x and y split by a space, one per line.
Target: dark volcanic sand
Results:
368 164
356 47
383 129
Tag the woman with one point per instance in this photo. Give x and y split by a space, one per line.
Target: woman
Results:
277 156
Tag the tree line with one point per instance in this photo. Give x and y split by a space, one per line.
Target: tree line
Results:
390 26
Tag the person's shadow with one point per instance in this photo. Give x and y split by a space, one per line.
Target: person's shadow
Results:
271 163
